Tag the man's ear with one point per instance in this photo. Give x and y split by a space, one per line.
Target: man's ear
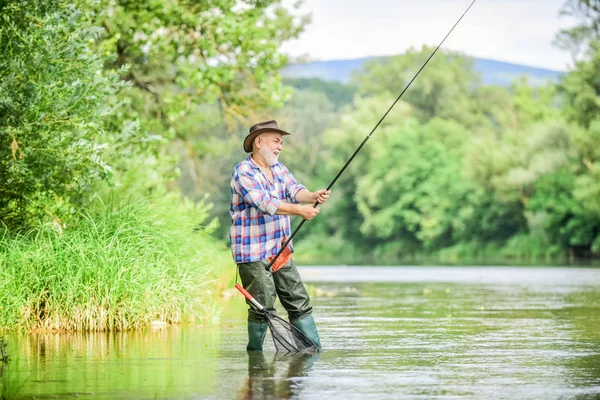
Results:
257 142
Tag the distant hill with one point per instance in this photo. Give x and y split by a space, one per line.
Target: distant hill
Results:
492 72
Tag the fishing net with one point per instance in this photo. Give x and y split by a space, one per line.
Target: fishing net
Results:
286 337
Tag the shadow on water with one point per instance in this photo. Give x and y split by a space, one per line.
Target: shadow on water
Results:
280 378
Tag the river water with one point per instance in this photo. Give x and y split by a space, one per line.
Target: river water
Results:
388 333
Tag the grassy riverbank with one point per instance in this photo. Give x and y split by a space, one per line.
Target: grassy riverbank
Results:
123 268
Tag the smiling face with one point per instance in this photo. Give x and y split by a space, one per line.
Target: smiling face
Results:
268 146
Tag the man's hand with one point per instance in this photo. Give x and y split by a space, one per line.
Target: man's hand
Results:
307 212
321 196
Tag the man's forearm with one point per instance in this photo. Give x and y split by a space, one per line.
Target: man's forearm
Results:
305 196
306 211
288 209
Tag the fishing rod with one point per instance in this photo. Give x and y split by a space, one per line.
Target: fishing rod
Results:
369 135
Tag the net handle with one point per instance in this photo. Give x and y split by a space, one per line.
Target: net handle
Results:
249 297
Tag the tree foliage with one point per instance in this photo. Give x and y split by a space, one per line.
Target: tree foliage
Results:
580 39
192 65
114 91
183 54
444 89
581 89
457 165
337 93
53 97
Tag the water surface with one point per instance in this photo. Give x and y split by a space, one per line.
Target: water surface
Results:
388 333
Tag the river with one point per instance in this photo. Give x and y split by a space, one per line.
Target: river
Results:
387 332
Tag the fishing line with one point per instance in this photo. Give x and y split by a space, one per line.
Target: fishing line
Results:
369 135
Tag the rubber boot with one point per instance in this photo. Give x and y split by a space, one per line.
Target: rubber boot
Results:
309 328
256 335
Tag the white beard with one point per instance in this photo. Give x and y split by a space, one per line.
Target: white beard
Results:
271 158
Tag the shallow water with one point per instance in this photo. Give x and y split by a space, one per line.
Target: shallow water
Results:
388 333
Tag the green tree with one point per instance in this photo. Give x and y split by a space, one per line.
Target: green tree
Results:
53 100
307 115
559 214
445 89
581 86
586 188
415 189
581 91
580 39
191 66
341 215
339 94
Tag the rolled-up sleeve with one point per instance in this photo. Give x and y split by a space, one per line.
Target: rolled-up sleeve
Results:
251 190
292 187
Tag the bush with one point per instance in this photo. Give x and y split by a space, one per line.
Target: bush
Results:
120 269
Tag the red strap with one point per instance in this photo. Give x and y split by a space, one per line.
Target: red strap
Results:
283 258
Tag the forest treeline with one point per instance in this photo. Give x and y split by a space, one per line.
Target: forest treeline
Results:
458 171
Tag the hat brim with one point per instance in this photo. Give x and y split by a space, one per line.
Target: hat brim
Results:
250 138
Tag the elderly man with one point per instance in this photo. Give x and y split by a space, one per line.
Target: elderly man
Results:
264 195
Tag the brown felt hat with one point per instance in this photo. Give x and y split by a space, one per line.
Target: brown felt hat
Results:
261 127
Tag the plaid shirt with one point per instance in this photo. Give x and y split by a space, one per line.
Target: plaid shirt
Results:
256 231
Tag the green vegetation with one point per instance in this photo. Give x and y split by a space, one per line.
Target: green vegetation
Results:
337 93
99 103
143 263
52 104
508 176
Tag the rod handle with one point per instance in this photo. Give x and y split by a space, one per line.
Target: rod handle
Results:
249 296
243 291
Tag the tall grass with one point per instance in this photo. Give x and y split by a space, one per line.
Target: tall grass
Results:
123 268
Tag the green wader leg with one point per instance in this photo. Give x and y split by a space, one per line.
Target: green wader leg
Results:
259 282
256 335
309 328
294 298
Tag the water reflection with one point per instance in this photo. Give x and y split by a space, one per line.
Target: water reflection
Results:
279 378
169 363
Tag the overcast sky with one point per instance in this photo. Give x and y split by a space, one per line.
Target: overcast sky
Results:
519 31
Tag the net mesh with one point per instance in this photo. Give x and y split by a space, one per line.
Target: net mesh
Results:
287 338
